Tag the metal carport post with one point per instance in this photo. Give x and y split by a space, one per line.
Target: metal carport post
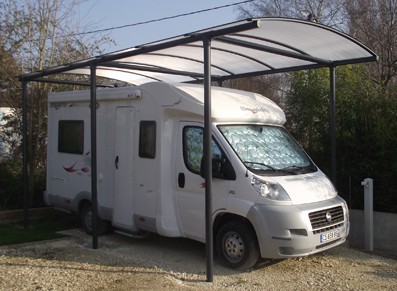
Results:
332 113
25 153
207 152
94 174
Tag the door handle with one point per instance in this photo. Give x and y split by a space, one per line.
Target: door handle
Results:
116 162
181 180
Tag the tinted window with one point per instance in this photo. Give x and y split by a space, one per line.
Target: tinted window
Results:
147 139
71 136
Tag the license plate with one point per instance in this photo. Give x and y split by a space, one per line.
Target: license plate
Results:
328 236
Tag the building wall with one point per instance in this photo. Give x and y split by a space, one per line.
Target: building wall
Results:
385 230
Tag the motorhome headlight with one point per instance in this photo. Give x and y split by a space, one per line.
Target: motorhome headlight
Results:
273 191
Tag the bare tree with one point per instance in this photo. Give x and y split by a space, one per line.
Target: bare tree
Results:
8 70
328 12
39 34
374 22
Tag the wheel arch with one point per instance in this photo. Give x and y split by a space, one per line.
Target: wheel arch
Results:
81 199
225 217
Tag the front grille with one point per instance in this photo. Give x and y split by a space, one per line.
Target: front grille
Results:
320 219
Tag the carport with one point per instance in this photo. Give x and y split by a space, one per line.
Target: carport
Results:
245 48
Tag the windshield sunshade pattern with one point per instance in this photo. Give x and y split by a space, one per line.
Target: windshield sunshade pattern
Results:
193 148
265 147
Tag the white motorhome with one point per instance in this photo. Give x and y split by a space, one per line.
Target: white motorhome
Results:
269 199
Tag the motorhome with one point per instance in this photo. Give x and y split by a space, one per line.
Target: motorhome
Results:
269 198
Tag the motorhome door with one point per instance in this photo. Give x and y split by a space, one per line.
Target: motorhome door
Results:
123 167
190 185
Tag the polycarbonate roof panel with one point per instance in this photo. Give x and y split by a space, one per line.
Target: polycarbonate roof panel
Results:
243 48
306 38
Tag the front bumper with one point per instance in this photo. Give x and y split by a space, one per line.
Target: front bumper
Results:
295 230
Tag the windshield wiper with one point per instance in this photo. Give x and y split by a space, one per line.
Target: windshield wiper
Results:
296 168
270 168
260 164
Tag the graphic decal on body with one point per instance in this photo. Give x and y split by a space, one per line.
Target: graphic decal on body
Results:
81 166
254 110
174 104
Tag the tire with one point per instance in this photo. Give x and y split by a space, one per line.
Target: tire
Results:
236 245
86 220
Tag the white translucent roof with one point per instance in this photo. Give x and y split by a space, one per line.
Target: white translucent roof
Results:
243 48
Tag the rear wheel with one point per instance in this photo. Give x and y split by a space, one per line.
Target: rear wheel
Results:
86 220
236 245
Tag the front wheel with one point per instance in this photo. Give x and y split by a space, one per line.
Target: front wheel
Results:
236 245
86 220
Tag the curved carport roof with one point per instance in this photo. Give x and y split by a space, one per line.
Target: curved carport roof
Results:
240 49
244 48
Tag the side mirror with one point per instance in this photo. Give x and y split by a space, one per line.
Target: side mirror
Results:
221 169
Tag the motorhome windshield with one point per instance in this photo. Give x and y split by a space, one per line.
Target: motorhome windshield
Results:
267 149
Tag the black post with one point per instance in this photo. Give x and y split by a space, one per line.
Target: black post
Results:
333 123
25 178
94 189
208 160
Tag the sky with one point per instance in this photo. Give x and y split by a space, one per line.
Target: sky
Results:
103 14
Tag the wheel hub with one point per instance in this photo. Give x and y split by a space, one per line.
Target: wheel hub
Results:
234 246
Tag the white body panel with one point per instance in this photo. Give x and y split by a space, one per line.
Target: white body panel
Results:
158 190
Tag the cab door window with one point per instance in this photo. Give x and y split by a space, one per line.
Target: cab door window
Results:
193 148
193 154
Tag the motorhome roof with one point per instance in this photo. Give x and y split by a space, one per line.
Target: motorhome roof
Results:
228 105
231 105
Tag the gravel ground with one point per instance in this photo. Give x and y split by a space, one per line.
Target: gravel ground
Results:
155 263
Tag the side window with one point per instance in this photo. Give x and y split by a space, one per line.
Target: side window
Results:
71 136
147 139
193 148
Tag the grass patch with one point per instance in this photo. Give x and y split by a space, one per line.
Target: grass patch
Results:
39 229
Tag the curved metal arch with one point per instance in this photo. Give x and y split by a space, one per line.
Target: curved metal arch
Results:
320 26
82 72
270 41
150 68
191 59
128 72
235 53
